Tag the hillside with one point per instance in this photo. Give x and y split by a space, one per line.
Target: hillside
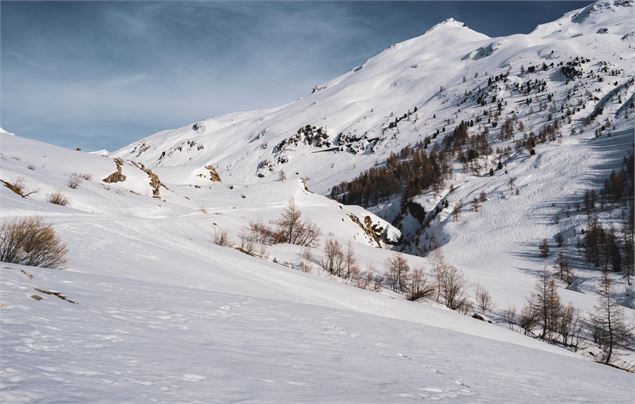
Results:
545 119
149 307
357 119
447 160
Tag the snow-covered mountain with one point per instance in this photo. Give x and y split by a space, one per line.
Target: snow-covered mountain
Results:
423 80
152 306
149 308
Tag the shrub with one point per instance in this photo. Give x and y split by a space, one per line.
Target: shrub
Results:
221 237
307 259
58 198
73 181
16 186
29 241
246 243
262 234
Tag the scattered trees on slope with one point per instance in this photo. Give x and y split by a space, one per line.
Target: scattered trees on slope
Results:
407 173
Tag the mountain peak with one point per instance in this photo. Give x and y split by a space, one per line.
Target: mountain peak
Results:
599 7
447 23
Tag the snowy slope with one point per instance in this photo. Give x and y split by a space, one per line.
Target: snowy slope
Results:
444 73
161 313
361 103
164 314
136 341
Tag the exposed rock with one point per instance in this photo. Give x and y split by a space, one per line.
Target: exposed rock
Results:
213 174
117 176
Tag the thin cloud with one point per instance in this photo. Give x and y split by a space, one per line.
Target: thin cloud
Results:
101 75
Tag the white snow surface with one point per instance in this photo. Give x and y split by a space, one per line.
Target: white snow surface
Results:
163 314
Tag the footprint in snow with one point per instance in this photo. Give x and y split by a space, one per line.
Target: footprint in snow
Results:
296 383
191 377
403 355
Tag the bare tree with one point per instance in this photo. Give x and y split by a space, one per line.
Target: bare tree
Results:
610 330
293 230
450 284
564 269
290 221
456 211
528 319
351 270
544 248
569 325
510 316
453 290
333 259
398 273
420 286
544 303
483 300
475 204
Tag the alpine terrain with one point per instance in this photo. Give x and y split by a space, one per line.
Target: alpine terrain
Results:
452 220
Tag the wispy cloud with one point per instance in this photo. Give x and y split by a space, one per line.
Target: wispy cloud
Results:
102 74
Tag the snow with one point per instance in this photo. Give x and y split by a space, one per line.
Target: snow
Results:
164 314
141 341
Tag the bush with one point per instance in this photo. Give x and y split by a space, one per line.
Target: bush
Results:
16 186
29 241
73 181
307 259
246 243
221 237
58 198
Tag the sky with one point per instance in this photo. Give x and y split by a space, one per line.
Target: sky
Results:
100 75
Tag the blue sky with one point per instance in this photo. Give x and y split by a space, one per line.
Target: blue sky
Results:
103 74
